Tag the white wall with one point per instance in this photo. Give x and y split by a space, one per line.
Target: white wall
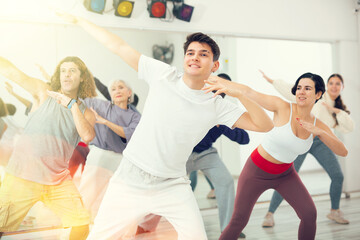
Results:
31 33
347 53
286 19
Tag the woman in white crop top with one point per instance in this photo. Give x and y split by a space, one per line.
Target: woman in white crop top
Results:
333 112
268 167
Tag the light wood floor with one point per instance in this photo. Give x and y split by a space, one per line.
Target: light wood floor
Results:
286 224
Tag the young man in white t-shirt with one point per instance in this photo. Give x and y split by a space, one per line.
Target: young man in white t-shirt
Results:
177 115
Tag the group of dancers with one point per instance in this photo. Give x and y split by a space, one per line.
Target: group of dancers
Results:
137 167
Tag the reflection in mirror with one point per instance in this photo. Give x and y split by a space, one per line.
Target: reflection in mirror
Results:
240 58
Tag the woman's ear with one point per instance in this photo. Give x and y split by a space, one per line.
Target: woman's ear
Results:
318 95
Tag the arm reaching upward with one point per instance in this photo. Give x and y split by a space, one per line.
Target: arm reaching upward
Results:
24 101
44 72
110 40
281 86
34 86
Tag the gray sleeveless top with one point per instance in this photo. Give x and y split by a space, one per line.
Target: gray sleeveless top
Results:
42 152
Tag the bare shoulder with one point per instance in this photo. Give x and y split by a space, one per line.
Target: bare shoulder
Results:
282 115
281 104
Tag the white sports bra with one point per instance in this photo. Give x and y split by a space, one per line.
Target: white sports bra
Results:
282 144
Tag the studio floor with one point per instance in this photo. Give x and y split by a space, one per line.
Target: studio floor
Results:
286 222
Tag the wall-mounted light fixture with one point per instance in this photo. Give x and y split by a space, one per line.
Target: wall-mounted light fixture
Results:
157 9
182 11
96 6
123 8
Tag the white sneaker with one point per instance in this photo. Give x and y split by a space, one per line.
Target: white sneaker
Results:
268 220
337 216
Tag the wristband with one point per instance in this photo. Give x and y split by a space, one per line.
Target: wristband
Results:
72 101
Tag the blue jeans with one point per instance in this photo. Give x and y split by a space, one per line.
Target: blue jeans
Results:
329 162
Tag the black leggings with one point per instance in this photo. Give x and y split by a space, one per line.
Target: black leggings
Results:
253 181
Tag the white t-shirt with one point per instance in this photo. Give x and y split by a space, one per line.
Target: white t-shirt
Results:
174 120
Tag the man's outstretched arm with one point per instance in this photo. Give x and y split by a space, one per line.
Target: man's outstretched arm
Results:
110 40
35 87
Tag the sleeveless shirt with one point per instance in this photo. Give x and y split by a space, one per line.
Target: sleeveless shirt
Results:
42 152
282 144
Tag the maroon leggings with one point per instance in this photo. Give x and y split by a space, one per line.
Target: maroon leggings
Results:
253 181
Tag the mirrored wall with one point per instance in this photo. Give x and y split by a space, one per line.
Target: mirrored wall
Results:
29 44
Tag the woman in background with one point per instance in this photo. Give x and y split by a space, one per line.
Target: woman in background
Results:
332 111
115 124
271 164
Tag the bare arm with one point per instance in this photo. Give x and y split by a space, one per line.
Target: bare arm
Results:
84 122
110 40
269 102
34 86
119 130
281 86
44 73
24 101
266 77
255 118
326 136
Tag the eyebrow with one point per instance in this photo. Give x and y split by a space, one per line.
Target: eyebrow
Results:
202 50
68 68
304 86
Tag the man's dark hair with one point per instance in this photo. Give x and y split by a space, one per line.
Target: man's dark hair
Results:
224 76
203 38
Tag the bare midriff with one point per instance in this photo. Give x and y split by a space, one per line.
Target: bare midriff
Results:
267 156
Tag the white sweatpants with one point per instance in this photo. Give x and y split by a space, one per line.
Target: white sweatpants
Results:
99 168
132 194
